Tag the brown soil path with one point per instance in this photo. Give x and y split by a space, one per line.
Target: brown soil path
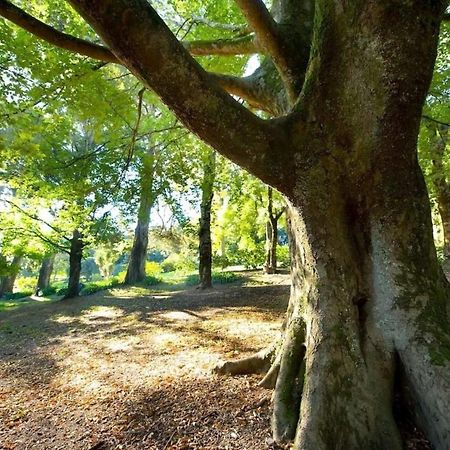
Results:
131 369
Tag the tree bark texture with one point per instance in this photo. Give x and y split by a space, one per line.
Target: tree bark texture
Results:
369 299
204 232
45 272
75 257
138 256
7 282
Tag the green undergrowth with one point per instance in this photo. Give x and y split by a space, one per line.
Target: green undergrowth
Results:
171 280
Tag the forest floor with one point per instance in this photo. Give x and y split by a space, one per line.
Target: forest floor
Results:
131 368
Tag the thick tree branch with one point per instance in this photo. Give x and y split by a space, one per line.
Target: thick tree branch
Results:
245 45
269 39
54 36
233 85
244 88
241 45
155 56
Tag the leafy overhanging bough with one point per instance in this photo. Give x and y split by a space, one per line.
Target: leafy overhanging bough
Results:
369 302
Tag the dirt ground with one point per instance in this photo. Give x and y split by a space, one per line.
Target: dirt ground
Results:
131 369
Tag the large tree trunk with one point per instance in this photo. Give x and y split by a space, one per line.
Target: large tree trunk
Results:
75 257
45 272
138 256
7 282
367 284
204 233
270 265
369 305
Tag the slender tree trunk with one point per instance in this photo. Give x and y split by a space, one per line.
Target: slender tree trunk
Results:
7 282
441 185
45 272
138 255
270 265
204 234
75 257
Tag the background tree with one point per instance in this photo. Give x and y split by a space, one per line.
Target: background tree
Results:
45 273
204 233
274 215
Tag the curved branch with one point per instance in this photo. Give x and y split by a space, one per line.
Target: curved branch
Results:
244 88
269 39
54 36
144 43
245 45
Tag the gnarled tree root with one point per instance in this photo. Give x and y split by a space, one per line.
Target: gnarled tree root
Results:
258 363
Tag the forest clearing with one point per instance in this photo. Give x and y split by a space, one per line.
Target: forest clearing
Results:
133 369
225 224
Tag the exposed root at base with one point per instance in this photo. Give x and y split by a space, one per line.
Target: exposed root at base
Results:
258 363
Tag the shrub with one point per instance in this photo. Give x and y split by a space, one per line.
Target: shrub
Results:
121 276
217 278
25 284
283 256
96 286
49 290
192 280
177 261
152 268
16 295
225 277
151 280
221 261
62 291
168 266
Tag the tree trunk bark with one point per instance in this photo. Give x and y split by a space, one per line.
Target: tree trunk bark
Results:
45 272
75 257
138 256
204 233
369 301
7 282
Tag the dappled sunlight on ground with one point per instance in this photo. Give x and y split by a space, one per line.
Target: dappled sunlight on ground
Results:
131 368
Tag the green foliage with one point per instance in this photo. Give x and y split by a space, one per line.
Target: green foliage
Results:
217 278
168 265
283 256
25 284
96 286
152 268
151 280
17 295
49 290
